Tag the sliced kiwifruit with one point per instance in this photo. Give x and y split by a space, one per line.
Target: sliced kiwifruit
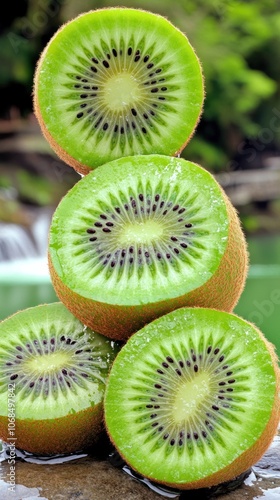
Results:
117 82
192 399
141 236
53 372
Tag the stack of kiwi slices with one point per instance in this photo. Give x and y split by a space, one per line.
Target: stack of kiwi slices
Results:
148 258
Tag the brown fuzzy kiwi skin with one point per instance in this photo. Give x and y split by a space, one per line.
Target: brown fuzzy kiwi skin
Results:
221 291
249 457
224 289
63 435
62 154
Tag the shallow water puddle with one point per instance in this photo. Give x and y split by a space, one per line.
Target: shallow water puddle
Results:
271 494
104 476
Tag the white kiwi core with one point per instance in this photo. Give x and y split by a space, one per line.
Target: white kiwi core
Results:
48 362
190 397
121 91
145 231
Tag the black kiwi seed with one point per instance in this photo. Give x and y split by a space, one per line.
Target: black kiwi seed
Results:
101 68
104 231
19 367
203 424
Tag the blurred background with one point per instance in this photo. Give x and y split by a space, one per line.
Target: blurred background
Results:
237 139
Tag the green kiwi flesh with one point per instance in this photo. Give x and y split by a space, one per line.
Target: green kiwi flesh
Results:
192 399
54 370
133 239
117 82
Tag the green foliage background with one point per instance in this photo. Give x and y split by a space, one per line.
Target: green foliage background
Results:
237 42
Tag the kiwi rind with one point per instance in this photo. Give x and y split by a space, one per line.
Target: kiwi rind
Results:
71 419
124 312
131 429
85 155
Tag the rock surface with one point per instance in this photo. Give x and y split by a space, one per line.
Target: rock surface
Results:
87 478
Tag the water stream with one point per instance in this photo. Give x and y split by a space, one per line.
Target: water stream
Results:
24 276
18 242
15 243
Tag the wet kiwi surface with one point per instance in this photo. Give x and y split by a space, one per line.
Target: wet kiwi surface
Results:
192 399
117 82
141 236
54 371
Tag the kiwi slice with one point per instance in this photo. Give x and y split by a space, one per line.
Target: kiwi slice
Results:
117 82
141 236
192 399
53 372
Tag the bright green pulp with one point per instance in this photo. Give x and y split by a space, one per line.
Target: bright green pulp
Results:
81 101
51 364
139 230
188 394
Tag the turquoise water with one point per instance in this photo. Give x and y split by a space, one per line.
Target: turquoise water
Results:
23 284
259 303
22 295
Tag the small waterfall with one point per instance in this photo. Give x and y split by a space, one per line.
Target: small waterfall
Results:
18 243
15 243
40 231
